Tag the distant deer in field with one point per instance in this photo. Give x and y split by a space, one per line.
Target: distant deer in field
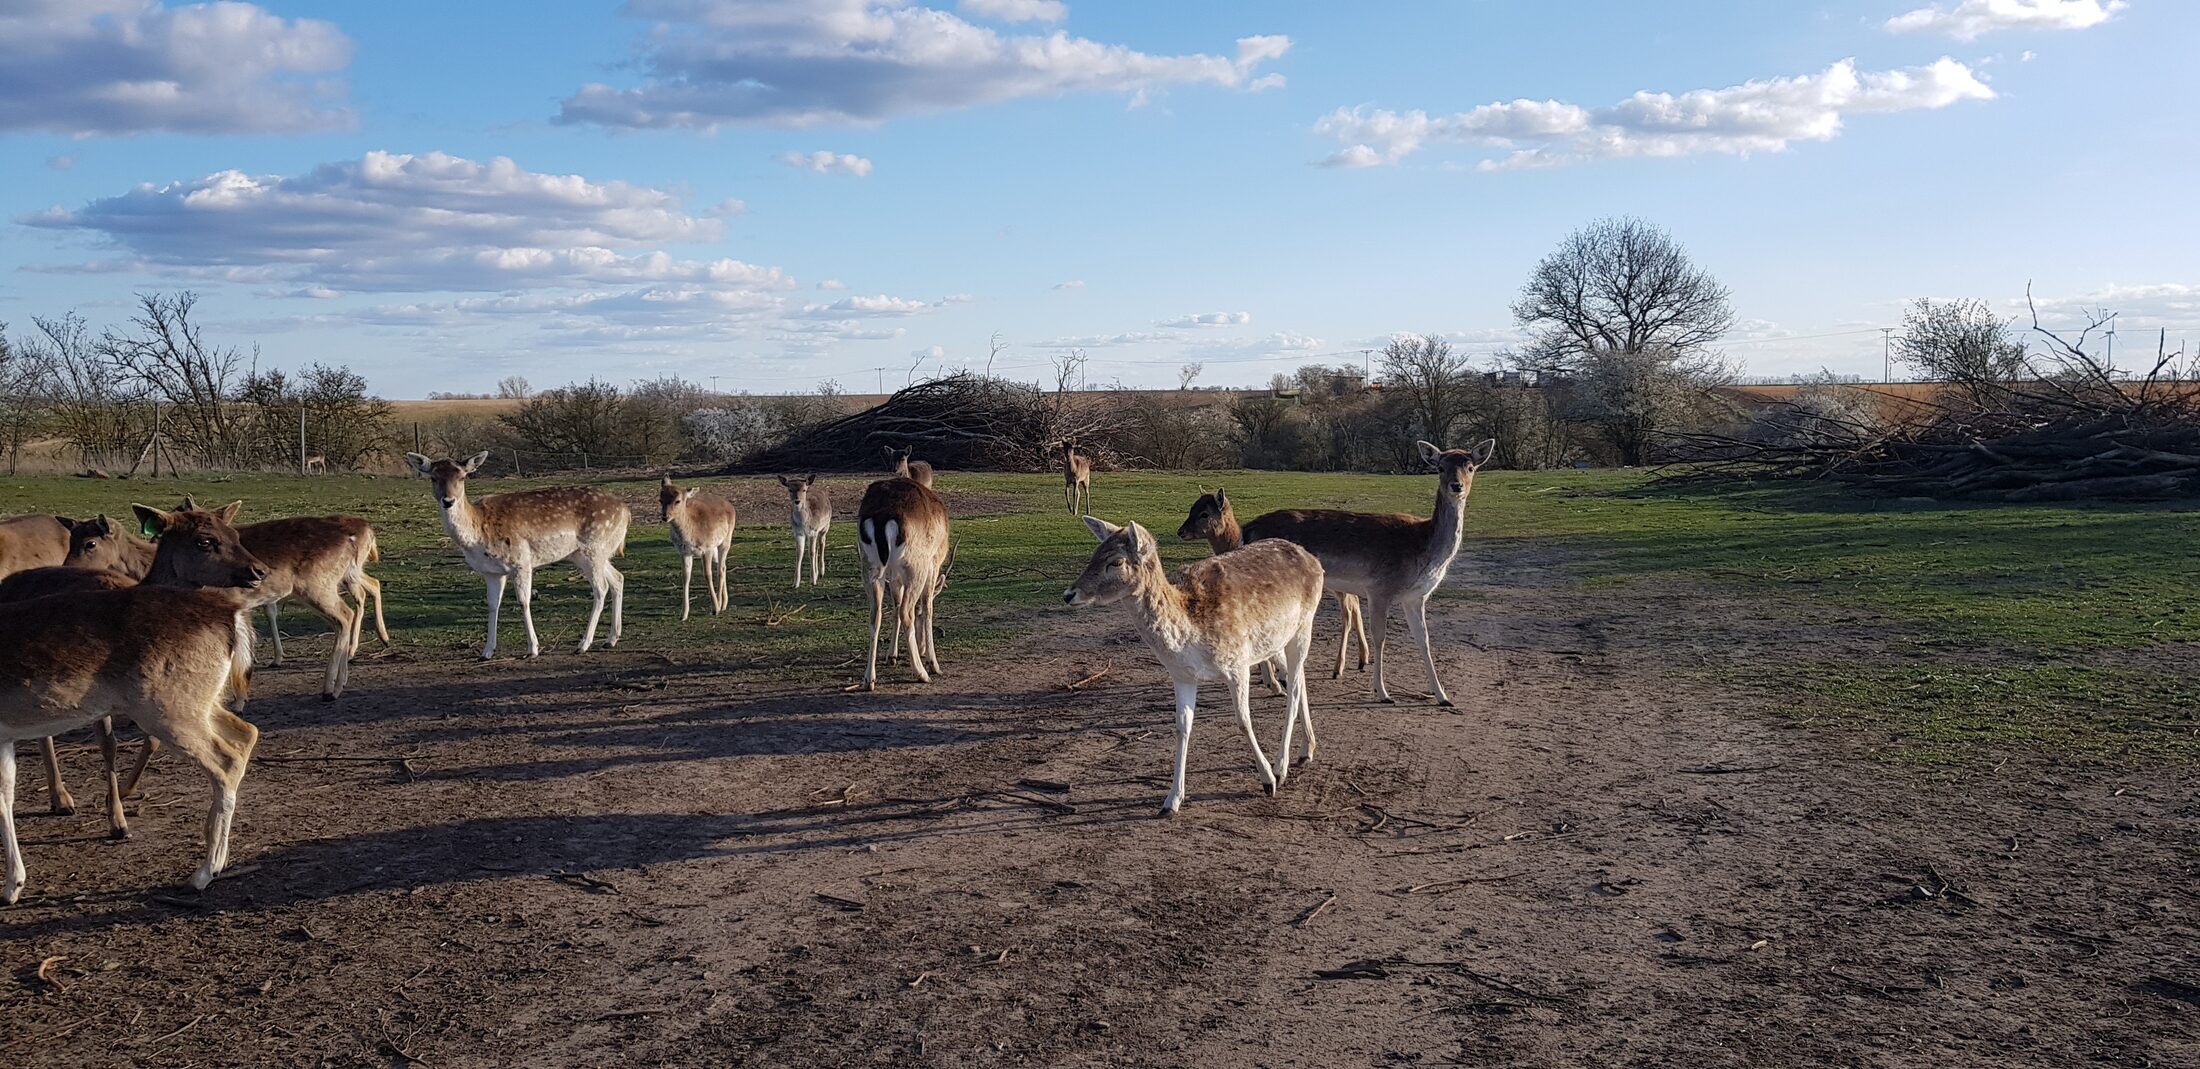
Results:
1390 558
315 462
702 526
199 550
1218 619
161 657
902 532
917 471
810 516
33 542
1076 479
1213 522
508 536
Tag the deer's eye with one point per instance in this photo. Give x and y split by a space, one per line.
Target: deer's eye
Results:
206 543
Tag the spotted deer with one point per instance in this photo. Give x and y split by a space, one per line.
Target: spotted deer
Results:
199 550
33 542
508 536
902 533
159 656
1212 521
1213 623
1392 559
1076 480
702 526
810 516
917 471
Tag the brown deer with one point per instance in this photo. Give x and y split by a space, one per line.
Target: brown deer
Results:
508 536
1212 521
161 657
33 542
810 516
902 533
702 526
1213 623
917 471
1076 480
199 550
316 463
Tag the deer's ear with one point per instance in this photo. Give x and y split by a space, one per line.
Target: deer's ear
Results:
419 463
782 480
1484 451
1101 529
228 512
689 493
474 463
1429 453
1222 500
1142 543
151 521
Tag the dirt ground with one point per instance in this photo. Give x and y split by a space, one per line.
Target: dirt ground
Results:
626 858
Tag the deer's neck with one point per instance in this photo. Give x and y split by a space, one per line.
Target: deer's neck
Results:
1228 535
1446 524
137 558
1163 616
464 522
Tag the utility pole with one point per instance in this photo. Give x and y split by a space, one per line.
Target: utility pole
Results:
2112 343
1367 367
1886 346
714 385
881 379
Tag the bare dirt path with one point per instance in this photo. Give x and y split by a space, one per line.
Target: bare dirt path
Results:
627 859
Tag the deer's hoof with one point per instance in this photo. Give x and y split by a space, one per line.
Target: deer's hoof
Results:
1447 703
118 834
62 807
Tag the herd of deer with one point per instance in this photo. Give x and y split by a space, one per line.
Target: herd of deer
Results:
152 625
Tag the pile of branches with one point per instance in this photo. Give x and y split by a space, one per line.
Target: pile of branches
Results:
2066 427
962 422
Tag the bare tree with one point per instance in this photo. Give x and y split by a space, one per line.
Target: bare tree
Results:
24 374
1621 286
1068 368
1633 400
993 350
166 353
1432 376
1189 374
104 418
514 388
581 417
1965 344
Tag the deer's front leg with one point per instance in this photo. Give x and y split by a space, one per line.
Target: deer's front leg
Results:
1186 695
496 602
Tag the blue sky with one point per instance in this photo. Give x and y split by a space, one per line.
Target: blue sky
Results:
777 192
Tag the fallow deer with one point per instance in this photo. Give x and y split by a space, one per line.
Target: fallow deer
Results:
1076 480
198 550
1213 522
1213 623
508 536
917 471
161 657
33 542
902 533
702 526
1389 558
315 462
810 516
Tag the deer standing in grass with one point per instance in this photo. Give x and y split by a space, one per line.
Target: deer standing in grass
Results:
1213 522
702 526
810 516
508 536
316 464
1213 623
196 550
1076 480
159 656
917 471
902 533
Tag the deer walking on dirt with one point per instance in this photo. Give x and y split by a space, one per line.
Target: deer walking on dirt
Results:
917 471
1213 623
702 526
1076 480
508 536
902 533
1212 521
810 516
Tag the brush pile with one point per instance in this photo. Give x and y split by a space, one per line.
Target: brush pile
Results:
962 422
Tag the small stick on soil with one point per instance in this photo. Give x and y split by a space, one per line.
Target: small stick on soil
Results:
1723 770
163 1039
845 905
585 882
1090 679
1445 887
1000 960
1307 917
285 759
45 972
921 978
56 1034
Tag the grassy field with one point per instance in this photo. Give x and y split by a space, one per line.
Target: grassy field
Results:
2055 627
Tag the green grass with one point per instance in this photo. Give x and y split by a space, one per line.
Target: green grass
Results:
2009 606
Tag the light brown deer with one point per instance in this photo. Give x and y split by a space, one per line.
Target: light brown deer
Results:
316 463
917 471
902 533
1212 521
200 550
508 536
1390 558
810 516
161 657
702 526
1213 623
33 542
1076 480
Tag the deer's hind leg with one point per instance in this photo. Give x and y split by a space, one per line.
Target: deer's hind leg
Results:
331 603
58 799
12 888
118 823
220 742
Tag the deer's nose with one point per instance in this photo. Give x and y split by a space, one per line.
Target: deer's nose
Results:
449 501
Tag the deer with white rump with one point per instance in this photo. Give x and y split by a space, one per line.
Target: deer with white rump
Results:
1213 623
1076 480
702 526
508 536
902 532
810 516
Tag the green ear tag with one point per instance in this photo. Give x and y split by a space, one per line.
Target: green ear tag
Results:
146 528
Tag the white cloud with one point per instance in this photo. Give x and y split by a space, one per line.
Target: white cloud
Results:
728 208
879 305
832 284
1972 19
1104 341
959 298
2139 307
93 67
712 63
1209 319
827 163
1757 116
1072 284
1015 10
1281 343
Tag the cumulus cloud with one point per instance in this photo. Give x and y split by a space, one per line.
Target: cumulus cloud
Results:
1209 319
850 307
1971 19
93 67
1015 10
832 284
1756 116
827 162
712 63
